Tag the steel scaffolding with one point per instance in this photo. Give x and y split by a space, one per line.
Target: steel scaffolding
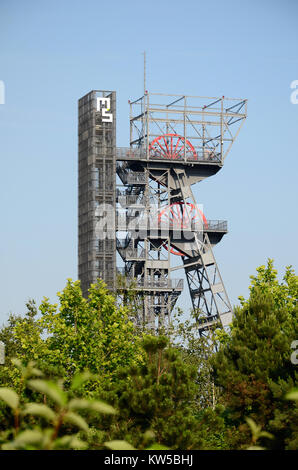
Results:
176 141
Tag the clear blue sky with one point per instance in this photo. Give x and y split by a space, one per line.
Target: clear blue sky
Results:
53 52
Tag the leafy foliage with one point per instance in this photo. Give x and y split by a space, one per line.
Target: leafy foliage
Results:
61 411
91 334
110 384
157 396
254 368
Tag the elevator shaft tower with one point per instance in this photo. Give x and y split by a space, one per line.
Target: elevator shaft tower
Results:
96 187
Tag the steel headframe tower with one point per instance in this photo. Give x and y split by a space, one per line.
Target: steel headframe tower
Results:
176 141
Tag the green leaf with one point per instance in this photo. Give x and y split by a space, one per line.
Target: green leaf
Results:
149 434
50 389
30 437
70 442
102 407
37 372
28 371
16 362
255 448
79 379
118 445
76 420
10 397
99 406
79 404
266 434
157 447
39 409
255 429
292 395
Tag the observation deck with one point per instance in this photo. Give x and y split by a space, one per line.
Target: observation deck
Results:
132 154
155 229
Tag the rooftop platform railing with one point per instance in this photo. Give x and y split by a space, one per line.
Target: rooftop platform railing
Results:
135 283
134 154
124 222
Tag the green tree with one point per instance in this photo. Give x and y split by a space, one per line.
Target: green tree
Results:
254 367
197 350
156 396
13 345
77 334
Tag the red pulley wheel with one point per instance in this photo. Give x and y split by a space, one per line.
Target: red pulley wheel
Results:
172 147
180 216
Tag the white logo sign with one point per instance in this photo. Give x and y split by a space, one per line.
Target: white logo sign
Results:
103 105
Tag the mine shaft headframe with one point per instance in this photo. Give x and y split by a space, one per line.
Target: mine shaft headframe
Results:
209 124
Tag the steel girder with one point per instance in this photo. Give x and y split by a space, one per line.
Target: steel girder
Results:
175 143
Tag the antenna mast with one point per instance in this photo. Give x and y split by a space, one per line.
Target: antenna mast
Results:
144 72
